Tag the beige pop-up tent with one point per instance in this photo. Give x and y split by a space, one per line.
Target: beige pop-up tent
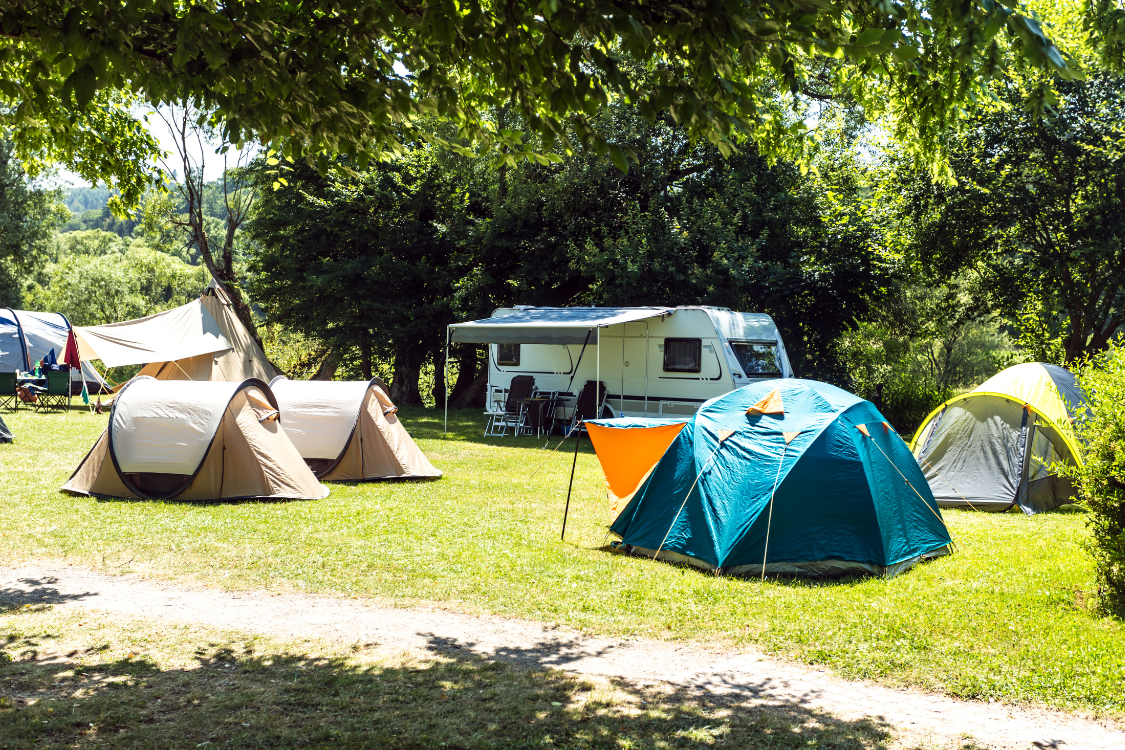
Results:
202 340
194 441
348 431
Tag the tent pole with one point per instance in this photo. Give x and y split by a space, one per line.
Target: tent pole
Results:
769 520
445 380
566 510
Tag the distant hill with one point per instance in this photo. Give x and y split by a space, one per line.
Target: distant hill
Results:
82 199
89 210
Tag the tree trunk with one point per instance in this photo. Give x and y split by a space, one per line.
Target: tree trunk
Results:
404 382
438 392
329 365
469 367
473 395
365 354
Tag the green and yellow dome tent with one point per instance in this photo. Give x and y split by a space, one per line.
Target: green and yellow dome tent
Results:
1000 445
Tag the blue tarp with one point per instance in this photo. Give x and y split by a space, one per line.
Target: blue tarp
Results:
27 337
844 499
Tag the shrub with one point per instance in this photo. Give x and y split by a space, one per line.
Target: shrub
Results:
1101 481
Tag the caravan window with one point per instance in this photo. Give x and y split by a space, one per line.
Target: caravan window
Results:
682 355
508 355
757 360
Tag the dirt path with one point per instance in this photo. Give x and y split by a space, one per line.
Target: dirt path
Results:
927 717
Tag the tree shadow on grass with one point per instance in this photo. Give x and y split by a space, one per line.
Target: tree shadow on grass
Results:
41 593
234 696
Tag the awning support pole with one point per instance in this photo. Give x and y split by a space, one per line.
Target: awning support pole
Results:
648 342
624 326
598 378
445 379
566 510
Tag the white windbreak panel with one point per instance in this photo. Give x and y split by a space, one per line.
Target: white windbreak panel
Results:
185 331
166 426
318 415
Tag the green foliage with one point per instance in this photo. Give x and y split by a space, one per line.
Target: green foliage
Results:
28 218
90 242
366 261
446 238
1037 214
101 218
1101 479
82 199
923 344
96 289
685 225
1041 333
908 376
102 141
330 79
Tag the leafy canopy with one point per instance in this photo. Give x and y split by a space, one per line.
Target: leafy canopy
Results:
342 78
1038 213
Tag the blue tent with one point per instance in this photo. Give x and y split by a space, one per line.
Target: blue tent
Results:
849 495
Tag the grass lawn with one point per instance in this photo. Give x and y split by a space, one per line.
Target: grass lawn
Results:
1006 618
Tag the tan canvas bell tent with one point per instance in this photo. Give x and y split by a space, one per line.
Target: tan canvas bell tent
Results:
195 441
348 431
202 340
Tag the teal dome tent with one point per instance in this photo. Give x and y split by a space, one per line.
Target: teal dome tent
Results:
797 475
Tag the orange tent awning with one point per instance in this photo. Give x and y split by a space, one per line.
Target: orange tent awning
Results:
627 454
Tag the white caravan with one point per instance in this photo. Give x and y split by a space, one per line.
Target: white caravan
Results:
654 361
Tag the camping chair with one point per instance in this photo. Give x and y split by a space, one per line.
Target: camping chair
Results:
57 394
8 396
493 404
589 405
541 413
515 410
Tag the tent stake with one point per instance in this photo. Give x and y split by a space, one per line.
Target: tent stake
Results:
566 510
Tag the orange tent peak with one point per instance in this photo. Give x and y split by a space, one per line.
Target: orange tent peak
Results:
863 429
771 404
724 434
790 435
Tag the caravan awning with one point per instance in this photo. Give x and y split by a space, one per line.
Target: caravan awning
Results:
185 331
549 325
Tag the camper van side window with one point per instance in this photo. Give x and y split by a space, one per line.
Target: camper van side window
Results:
508 355
682 355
